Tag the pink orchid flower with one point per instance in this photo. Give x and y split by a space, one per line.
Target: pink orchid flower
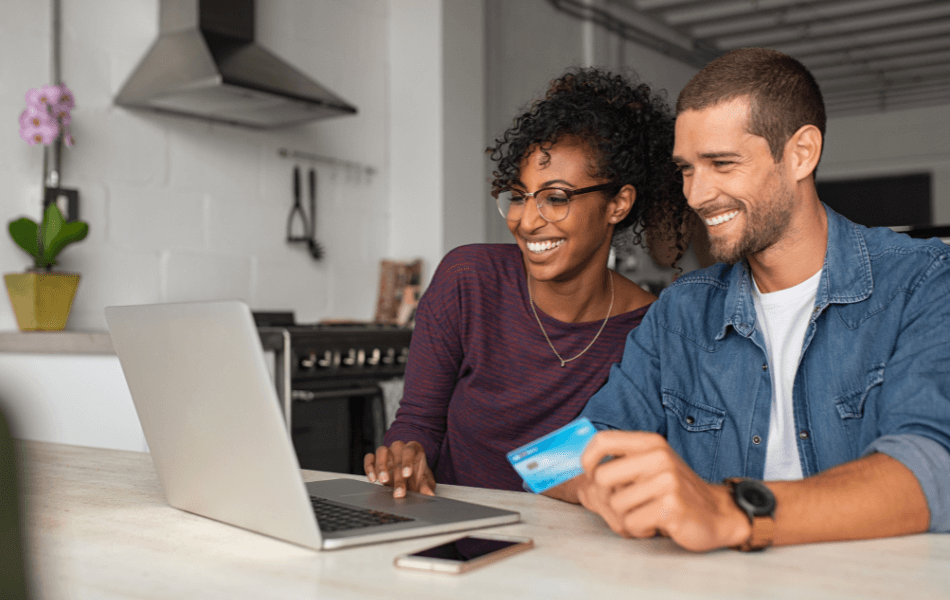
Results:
61 112
44 133
66 99
34 115
67 137
44 96
47 115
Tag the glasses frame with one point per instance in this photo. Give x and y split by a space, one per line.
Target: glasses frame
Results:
567 191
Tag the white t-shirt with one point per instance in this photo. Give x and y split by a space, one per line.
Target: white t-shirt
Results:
783 317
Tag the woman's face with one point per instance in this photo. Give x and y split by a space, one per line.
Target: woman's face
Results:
560 251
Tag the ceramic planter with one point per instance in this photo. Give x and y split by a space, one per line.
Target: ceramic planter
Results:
41 301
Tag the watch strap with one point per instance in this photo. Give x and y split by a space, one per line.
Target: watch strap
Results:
763 526
763 529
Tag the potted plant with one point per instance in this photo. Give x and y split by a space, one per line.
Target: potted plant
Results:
40 297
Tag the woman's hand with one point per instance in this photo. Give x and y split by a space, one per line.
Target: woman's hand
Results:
401 466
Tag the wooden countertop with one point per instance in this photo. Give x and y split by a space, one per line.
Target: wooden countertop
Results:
98 527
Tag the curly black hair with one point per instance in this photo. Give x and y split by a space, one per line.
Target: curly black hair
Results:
629 130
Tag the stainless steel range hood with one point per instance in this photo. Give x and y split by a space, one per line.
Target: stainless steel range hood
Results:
206 64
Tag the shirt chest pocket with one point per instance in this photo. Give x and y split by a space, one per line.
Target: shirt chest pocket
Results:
851 406
694 430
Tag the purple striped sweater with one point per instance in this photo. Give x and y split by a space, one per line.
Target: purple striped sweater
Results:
481 379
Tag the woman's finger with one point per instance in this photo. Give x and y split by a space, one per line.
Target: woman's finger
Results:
409 459
369 466
384 465
399 480
426 482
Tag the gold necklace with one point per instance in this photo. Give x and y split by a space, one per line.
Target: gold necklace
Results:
610 276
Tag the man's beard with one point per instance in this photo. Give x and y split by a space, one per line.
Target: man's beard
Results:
765 225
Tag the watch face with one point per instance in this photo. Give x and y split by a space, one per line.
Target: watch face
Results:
756 496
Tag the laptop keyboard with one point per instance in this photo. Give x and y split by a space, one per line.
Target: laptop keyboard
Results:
336 517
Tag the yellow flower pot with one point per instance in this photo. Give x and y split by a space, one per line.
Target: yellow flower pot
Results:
41 301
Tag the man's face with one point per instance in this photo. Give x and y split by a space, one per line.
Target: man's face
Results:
730 180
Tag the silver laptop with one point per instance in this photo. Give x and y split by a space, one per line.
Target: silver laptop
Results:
213 423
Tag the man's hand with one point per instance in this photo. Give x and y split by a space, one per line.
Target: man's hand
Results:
647 489
402 466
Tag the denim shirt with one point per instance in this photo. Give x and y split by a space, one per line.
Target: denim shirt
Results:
874 374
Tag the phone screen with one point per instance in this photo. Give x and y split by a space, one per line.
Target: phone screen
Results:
465 549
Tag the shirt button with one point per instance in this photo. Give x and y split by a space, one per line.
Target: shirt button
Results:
765 366
690 420
803 434
756 440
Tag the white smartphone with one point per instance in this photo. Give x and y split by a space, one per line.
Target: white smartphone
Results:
464 554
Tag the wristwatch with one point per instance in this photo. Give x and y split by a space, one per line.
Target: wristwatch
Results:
758 503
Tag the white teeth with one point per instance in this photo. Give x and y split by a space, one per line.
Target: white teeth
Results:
539 247
721 218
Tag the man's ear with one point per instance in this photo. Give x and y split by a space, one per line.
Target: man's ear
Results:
621 204
803 150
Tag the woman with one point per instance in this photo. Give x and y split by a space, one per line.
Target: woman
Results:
512 340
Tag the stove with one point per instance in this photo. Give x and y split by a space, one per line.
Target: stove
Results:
327 377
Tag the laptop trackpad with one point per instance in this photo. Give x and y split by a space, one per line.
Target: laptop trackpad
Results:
383 499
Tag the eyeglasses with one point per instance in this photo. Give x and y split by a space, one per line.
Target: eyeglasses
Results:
554 203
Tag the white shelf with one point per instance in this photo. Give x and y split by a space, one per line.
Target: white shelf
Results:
56 342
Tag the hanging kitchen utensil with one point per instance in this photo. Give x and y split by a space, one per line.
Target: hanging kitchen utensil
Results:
316 249
297 212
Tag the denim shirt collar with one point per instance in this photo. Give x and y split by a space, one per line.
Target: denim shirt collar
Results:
845 278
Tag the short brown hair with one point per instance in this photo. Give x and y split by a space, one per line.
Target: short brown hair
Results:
783 95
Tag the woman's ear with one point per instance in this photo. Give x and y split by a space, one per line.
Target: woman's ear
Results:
621 204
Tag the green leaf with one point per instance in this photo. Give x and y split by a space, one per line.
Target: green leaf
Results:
24 232
68 233
52 223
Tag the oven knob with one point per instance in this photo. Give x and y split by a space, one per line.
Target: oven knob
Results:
327 360
350 359
390 357
336 358
374 357
360 357
403 356
307 363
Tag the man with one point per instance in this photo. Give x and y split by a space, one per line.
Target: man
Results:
814 360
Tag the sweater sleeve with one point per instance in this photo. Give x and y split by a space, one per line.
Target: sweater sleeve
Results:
435 356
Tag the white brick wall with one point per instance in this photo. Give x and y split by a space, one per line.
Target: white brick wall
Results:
181 209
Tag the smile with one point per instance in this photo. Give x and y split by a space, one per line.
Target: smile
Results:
539 247
721 219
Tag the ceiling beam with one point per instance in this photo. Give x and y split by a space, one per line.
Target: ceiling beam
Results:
807 47
760 14
858 53
883 65
836 27
698 56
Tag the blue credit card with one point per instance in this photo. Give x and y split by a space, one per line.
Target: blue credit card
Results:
554 458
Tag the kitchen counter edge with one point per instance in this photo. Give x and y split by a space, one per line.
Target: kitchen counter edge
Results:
56 342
